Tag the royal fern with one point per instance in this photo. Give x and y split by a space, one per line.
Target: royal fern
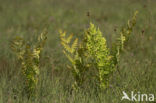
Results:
29 57
99 54
93 53
72 52
121 42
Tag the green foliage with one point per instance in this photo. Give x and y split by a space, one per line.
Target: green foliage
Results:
26 17
72 52
92 53
121 42
99 54
29 57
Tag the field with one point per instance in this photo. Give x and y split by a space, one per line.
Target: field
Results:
28 18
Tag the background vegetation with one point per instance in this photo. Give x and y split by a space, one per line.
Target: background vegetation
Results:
28 18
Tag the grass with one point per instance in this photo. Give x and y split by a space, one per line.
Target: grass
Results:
28 18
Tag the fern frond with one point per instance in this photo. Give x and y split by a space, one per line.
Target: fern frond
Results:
62 34
29 57
97 49
68 40
69 57
66 47
42 39
74 45
125 33
16 44
93 52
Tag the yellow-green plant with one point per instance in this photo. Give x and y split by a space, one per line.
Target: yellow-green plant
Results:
72 52
29 57
99 54
121 42
93 53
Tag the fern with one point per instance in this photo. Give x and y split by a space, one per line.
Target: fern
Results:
93 53
97 50
92 48
121 42
29 57
71 50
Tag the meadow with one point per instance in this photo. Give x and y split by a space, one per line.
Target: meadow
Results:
28 18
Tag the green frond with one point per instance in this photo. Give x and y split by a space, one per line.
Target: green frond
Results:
93 52
64 40
123 39
98 51
42 39
74 45
29 57
68 40
36 53
66 47
69 57
62 34
16 44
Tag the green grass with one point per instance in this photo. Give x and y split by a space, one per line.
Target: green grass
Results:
27 18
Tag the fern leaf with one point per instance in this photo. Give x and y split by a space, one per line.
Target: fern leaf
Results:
74 45
66 47
69 57
68 40
62 34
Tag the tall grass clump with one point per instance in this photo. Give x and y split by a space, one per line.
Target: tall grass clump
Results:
29 58
93 53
